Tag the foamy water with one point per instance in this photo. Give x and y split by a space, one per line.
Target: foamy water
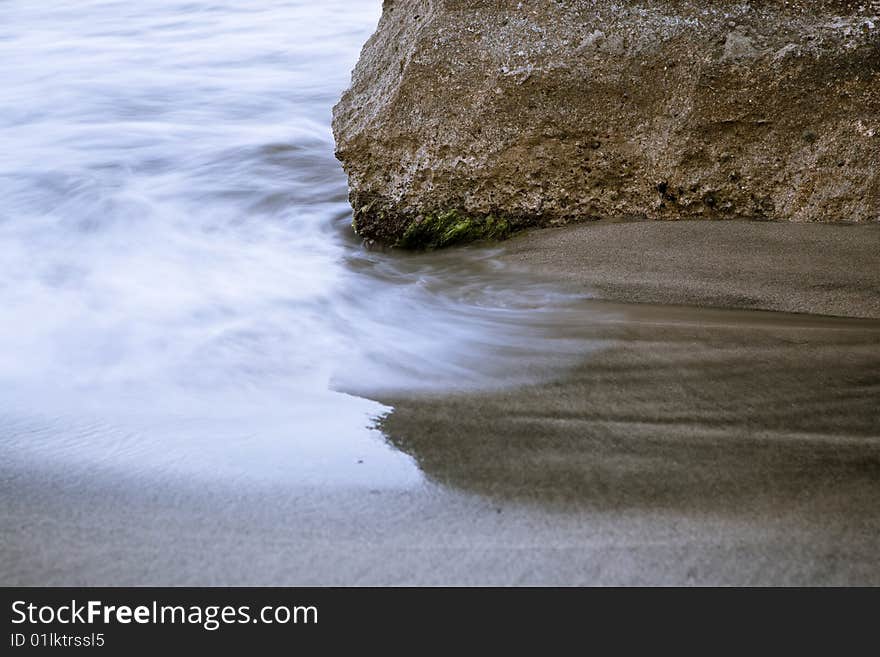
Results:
179 286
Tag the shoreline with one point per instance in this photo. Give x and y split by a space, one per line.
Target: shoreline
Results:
759 419
757 372
696 446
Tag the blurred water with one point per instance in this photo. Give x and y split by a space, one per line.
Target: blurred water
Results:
179 287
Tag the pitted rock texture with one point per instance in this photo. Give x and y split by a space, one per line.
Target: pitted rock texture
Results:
553 111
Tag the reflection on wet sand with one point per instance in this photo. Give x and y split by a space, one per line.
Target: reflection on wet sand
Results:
688 409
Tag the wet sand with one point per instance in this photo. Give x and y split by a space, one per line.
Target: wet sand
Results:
756 420
688 445
753 416
822 269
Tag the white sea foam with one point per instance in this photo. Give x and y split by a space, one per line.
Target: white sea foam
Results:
175 263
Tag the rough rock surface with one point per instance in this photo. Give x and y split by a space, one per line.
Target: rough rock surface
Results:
550 111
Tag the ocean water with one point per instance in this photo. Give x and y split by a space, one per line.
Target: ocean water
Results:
180 290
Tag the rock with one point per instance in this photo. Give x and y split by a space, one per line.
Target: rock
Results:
786 51
468 119
738 46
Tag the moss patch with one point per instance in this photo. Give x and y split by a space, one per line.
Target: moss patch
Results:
436 231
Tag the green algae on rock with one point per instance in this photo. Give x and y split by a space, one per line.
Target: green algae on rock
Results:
443 229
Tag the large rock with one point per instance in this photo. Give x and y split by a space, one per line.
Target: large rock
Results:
474 117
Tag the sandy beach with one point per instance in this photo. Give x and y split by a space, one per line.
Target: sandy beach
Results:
687 445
